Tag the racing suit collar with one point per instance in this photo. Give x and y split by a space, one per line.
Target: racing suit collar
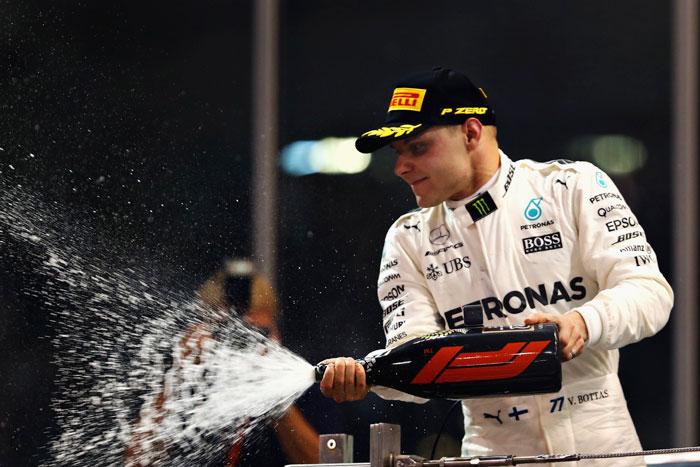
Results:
489 197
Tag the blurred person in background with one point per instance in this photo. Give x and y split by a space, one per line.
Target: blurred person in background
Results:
500 242
238 288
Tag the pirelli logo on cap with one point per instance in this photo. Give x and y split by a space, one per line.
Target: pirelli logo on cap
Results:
407 99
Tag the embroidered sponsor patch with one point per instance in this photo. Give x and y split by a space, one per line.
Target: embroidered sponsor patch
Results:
481 206
550 241
407 99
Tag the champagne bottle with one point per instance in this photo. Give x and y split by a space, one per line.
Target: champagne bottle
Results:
464 363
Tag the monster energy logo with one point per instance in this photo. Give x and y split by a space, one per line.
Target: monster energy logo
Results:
481 207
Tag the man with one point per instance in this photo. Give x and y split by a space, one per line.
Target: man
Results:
239 287
236 288
497 242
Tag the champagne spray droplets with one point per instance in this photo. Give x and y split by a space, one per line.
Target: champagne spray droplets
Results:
144 375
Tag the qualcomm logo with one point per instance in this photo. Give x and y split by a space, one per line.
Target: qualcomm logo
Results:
533 210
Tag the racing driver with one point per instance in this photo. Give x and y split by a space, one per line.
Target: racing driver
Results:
501 242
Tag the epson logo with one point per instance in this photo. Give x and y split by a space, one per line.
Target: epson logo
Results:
514 302
444 249
394 293
545 242
624 223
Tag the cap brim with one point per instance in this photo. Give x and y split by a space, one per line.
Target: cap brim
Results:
372 140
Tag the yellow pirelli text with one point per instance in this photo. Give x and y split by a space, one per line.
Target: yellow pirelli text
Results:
407 99
464 110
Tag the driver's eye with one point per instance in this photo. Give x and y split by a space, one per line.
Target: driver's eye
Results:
417 148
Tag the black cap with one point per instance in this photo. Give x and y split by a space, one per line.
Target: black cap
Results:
421 100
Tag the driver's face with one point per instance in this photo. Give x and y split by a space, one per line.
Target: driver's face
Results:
435 165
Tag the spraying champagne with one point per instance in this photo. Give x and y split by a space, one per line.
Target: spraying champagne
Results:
464 363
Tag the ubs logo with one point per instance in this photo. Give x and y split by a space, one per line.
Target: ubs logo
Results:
449 267
439 235
432 273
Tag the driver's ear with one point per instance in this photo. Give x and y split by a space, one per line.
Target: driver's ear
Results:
472 129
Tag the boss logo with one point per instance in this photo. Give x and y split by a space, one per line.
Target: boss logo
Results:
509 178
545 242
629 236
393 307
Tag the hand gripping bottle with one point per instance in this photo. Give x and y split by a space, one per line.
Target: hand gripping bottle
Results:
464 363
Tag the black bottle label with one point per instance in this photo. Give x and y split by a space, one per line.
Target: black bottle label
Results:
460 363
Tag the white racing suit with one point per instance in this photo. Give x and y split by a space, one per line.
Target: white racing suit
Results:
549 237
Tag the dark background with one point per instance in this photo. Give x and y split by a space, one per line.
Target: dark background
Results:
138 116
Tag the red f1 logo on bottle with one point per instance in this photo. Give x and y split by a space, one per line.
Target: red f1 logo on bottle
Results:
450 366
